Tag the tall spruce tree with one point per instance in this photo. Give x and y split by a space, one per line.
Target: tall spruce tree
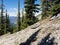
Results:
5 31
50 7
54 7
23 15
44 8
30 9
19 21
23 24
7 23
1 20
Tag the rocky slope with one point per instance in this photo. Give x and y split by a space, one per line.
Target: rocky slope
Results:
46 32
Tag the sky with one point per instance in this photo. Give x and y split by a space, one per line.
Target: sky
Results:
12 6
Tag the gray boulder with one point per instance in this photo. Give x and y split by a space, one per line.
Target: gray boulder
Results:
58 16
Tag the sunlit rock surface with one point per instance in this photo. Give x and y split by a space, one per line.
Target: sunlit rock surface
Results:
46 32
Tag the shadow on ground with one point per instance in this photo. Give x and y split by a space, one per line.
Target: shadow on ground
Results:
32 38
47 41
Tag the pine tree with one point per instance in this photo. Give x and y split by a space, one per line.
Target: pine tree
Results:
30 9
23 15
5 31
44 8
7 23
50 7
12 29
54 7
2 19
19 21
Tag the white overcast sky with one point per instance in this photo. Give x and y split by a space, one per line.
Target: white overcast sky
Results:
14 11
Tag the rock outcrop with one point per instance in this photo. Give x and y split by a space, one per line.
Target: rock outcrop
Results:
46 32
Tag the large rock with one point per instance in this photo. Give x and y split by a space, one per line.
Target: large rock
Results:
58 16
32 36
34 26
